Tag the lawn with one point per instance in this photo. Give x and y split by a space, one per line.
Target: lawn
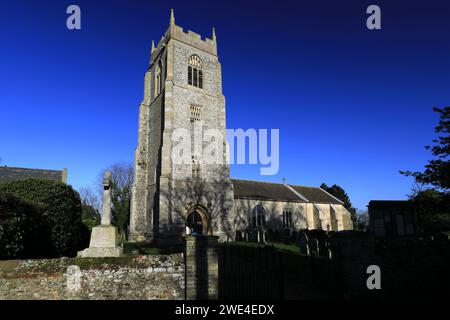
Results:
280 246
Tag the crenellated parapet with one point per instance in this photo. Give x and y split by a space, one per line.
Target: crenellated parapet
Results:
208 45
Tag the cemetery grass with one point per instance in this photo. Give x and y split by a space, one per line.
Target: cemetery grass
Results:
279 246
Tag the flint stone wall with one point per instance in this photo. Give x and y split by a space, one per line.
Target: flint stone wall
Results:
129 278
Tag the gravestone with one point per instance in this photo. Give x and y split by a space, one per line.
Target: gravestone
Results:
314 245
322 247
104 238
302 242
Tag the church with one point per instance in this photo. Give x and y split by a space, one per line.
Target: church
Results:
183 92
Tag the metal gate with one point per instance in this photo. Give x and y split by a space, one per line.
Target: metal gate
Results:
250 273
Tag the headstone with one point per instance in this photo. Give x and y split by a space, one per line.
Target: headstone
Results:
323 248
314 245
302 242
104 238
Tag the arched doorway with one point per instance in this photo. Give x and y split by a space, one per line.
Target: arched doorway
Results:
197 221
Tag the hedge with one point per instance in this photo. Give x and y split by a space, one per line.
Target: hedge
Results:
18 222
59 210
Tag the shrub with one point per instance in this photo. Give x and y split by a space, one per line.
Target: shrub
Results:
18 227
59 213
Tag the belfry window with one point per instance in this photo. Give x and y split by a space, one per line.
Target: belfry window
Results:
195 71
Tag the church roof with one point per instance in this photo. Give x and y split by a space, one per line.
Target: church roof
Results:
315 194
263 191
249 189
8 174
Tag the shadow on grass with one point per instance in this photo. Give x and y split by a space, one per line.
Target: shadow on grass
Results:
279 246
144 248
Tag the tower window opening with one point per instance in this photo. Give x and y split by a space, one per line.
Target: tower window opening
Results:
195 113
190 75
195 72
200 79
158 80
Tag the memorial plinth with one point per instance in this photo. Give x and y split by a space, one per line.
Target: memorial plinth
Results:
104 238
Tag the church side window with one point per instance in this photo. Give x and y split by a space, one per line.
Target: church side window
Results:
195 71
258 216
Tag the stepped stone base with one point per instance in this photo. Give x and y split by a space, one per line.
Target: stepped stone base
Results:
100 252
104 243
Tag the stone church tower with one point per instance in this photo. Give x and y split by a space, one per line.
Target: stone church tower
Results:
176 189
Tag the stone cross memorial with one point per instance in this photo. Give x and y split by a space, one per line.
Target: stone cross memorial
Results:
106 214
104 238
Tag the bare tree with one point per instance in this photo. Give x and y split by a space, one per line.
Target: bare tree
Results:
90 197
90 207
121 184
362 220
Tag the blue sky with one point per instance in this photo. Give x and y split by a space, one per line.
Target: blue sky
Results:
353 106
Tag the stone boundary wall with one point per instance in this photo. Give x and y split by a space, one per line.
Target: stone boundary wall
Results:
128 278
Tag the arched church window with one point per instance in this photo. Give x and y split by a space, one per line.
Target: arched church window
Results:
258 216
195 71
158 78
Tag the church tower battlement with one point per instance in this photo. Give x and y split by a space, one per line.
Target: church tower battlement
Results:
182 93
208 45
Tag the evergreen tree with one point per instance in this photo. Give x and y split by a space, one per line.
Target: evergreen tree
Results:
437 171
433 204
